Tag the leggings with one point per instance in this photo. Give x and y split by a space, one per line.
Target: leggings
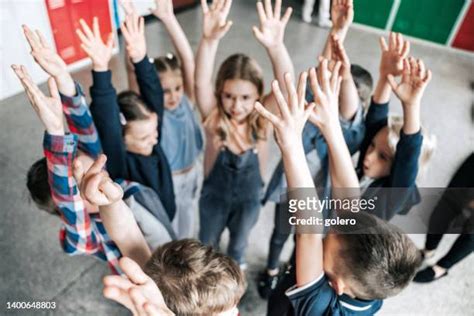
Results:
449 207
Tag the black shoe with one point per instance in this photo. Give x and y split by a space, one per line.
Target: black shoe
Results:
266 284
427 275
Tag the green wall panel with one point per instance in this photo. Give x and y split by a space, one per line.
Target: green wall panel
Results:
427 19
372 12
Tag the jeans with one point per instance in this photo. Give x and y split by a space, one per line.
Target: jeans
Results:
449 207
230 198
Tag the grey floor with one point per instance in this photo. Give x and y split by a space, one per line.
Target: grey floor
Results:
34 268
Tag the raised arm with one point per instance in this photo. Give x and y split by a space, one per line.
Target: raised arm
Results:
74 103
60 150
342 15
164 11
288 132
391 63
98 189
348 96
325 86
271 35
215 26
133 30
104 107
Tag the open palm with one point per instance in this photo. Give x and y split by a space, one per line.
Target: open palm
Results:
272 25
342 14
49 109
94 46
215 24
44 54
415 78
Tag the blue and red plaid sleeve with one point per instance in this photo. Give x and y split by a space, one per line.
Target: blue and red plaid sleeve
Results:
79 237
82 233
80 122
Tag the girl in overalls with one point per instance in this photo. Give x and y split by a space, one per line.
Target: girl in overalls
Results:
236 135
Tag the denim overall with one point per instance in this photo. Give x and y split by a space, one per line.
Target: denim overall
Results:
230 197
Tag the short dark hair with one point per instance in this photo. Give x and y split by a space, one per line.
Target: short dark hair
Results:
195 279
364 83
38 186
169 62
132 106
377 257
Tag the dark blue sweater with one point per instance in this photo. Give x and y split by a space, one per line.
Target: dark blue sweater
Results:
153 170
397 192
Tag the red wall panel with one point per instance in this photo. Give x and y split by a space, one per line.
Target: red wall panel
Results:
465 37
64 16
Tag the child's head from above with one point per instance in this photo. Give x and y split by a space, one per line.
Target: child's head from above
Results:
375 264
39 189
171 78
196 280
381 151
140 130
363 82
239 84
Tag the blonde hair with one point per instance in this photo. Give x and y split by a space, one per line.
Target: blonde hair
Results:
239 66
395 125
195 279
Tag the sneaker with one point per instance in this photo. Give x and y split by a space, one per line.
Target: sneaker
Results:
307 13
427 275
266 284
324 23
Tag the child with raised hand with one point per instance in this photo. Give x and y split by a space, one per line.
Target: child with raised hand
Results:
236 136
182 140
53 192
351 116
51 181
331 277
183 268
129 125
394 147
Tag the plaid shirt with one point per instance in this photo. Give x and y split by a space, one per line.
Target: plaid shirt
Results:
81 233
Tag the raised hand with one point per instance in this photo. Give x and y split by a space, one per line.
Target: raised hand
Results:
293 112
133 30
339 54
215 24
95 185
163 9
393 55
342 14
49 109
325 86
92 44
272 24
44 54
415 78
138 292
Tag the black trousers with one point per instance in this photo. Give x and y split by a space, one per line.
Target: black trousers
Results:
449 207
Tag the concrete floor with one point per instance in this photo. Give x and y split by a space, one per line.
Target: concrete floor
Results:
35 269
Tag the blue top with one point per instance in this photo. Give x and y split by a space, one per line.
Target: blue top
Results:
318 298
153 170
181 137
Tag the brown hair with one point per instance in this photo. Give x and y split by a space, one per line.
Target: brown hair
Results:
38 186
375 257
240 66
194 279
132 107
169 62
363 82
